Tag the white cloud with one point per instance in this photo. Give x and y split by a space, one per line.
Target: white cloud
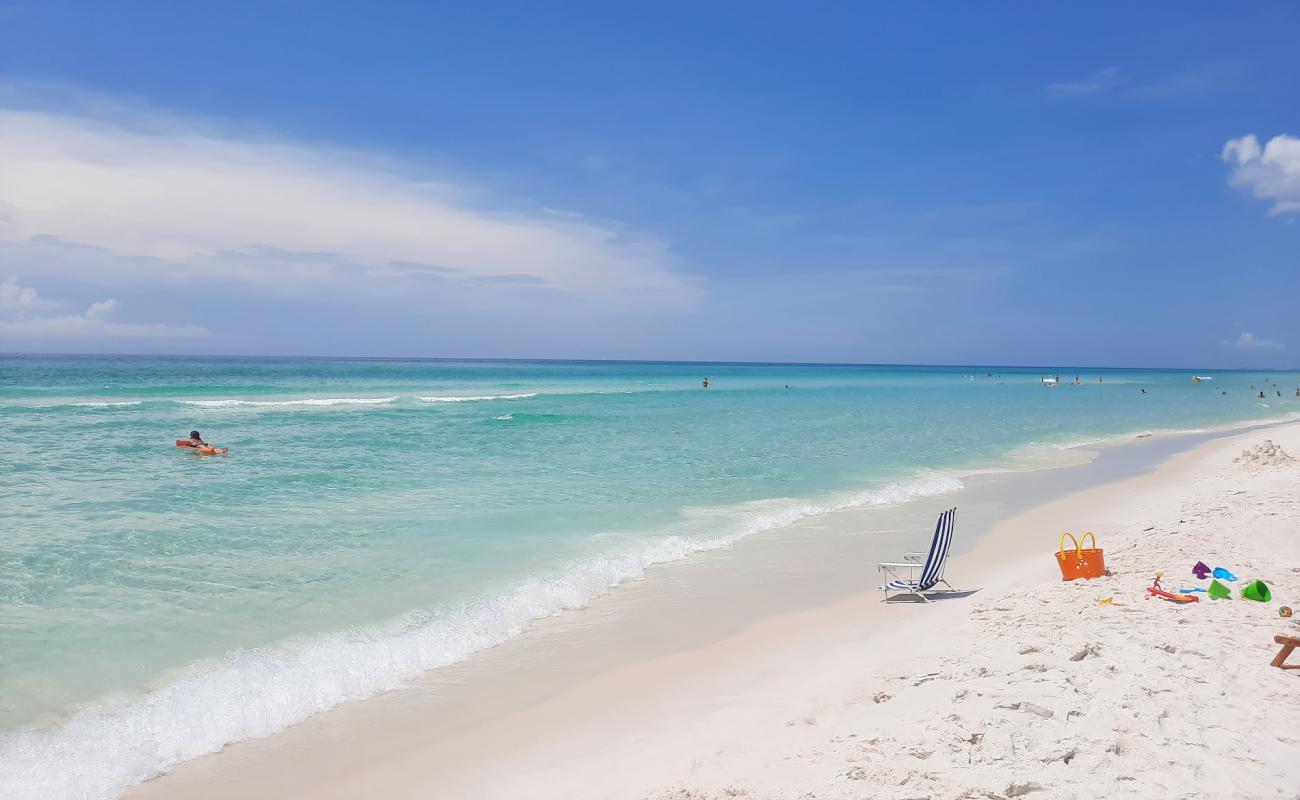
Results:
83 327
181 202
14 297
101 308
1099 81
1270 173
1248 341
20 317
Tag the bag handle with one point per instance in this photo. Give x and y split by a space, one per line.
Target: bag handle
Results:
1061 545
1083 539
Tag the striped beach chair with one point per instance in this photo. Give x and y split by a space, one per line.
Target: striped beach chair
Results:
931 568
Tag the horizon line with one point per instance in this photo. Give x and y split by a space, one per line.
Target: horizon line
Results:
684 362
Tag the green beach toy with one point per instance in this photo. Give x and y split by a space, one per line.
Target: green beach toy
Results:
1220 592
1257 591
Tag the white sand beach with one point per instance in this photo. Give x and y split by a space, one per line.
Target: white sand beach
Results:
1028 687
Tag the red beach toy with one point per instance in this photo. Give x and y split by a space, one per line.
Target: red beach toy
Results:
1154 590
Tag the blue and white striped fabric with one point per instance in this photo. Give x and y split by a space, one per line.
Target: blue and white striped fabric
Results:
932 572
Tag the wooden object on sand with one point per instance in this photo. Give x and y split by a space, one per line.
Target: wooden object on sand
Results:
1288 643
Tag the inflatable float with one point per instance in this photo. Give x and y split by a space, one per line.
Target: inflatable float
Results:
203 451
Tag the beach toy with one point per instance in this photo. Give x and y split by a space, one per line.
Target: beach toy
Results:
1257 591
1219 592
1223 575
1284 611
1108 601
1201 570
1083 562
1191 591
1176 598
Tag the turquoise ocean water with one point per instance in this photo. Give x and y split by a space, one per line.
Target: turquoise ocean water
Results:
379 518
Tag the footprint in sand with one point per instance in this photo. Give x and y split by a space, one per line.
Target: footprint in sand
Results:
1029 708
1088 650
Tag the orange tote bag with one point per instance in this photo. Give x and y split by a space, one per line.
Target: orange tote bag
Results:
1080 562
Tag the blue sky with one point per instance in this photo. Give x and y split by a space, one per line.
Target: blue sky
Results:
848 182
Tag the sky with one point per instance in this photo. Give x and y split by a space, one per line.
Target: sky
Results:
1108 184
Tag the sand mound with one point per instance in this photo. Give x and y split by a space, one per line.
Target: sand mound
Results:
1265 454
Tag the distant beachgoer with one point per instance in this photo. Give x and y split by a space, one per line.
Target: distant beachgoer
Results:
706 383
197 441
1098 379
1144 391
1261 395
1279 393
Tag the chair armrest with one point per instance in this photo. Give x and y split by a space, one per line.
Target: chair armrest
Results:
912 565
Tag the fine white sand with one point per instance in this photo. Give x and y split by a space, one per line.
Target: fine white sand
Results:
1027 688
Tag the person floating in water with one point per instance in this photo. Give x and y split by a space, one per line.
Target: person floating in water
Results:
1144 391
196 443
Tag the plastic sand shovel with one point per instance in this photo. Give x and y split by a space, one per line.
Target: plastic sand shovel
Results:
1223 575
1201 570
1257 591
1219 592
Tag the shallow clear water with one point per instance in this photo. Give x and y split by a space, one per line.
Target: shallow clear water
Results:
377 518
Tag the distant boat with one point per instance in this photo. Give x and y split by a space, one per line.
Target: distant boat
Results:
1200 378
1051 383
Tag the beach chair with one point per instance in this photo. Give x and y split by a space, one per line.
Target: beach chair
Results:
931 567
1288 643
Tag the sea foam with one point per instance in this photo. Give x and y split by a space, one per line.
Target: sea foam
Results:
108 404
473 398
310 401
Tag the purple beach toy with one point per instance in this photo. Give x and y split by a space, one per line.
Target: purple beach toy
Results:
1201 570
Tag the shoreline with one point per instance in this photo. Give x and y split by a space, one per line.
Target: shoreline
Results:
445 710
